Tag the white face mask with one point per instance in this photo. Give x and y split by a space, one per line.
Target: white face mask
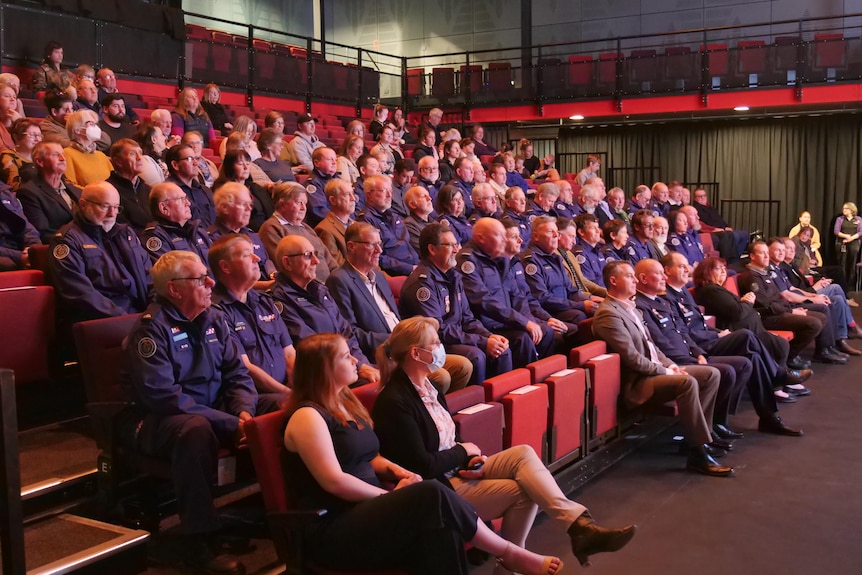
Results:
438 357
94 133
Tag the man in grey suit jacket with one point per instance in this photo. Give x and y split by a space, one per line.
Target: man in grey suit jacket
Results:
364 298
648 376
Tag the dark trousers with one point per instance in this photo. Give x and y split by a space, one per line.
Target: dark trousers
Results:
420 528
765 368
735 371
804 327
483 366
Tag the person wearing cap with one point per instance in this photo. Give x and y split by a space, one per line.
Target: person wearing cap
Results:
305 142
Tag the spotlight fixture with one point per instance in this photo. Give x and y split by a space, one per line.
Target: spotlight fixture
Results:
741 108
576 117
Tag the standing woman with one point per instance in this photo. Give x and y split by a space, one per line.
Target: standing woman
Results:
190 115
848 229
217 113
84 163
154 170
416 430
49 75
16 164
332 456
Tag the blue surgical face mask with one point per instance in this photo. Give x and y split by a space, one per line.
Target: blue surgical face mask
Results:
438 357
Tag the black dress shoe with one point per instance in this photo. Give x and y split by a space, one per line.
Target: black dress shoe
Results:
699 460
588 538
200 557
775 425
724 432
798 363
834 350
829 356
845 347
797 391
711 448
719 443
797 375
785 398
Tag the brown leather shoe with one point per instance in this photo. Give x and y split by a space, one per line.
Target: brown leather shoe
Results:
845 347
854 332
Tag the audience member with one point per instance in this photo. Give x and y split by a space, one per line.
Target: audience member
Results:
484 203
207 170
50 75
682 237
48 200
639 246
588 248
590 171
397 257
246 129
482 148
429 176
402 180
190 115
237 168
616 236
84 163
217 113
154 170
270 144
450 207
183 171
421 207
17 234
304 143
16 164
351 149
368 166
324 168
53 125
126 159
446 164
616 204
106 81
571 261
14 82
729 242
342 206
513 177
114 122
173 227
384 152
427 145
8 115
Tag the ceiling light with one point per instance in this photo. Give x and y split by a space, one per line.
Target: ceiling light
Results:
576 117
741 108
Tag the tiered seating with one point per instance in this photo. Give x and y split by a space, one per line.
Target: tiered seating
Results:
525 408
603 383
28 336
476 420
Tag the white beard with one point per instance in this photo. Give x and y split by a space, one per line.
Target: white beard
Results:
662 239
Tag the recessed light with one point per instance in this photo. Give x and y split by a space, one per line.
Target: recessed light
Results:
576 117
741 108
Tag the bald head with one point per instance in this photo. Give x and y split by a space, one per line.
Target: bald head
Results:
691 215
650 277
100 204
296 260
490 235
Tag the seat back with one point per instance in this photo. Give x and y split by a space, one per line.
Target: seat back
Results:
39 255
475 81
707 243
265 435
28 334
580 70
731 285
603 370
525 409
367 394
500 76
99 343
643 65
608 67
395 284
717 58
22 278
567 397
829 50
442 82
476 420
751 56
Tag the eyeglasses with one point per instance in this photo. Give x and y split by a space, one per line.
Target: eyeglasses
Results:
201 280
177 199
304 255
105 207
186 159
247 205
453 245
374 245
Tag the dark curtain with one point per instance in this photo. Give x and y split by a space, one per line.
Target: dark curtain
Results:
810 163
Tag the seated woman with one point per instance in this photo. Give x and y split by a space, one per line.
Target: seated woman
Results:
84 163
238 141
805 222
616 234
215 110
415 429
682 239
271 143
16 164
332 456
247 129
154 170
350 151
237 168
190 115
450 207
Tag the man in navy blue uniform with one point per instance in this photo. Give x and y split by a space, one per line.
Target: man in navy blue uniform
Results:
548 280
183 167
641 200
639 246
398 257
543 203
429 176
367 303
740 342
16 233
268 351
305 304
589 252
484 203
435 289
490 286
588 203
463 180
516 210
98 266
670 335
191 394
325 168
565 206
660 202
233 212
173 227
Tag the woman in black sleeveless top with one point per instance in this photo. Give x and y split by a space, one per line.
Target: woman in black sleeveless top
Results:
333 462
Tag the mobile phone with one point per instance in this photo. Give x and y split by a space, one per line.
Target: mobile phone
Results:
475 467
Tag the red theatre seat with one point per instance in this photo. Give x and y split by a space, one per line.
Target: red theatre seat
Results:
603 370
525 408
442 82
679 65
717 59
567 396
643 66
829 50
39 256
751 56
475 81
28 332
580 70
416 81
499 76
395 284
367 394
608 67
21 278
476 420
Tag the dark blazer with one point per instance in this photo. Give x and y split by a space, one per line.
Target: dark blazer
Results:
407 433
355 303
44 207
729 311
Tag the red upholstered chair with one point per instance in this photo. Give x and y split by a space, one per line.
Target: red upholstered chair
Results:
525 409
751 59
679 66
499 77
395 284
475 82
22 278
708 246
552 76
581 70
717 60
603 372
608 67
265 435
785 53
367 394
476 420
416 81
28 332
643 68
39 256
731 285
830 52
567 397
442 82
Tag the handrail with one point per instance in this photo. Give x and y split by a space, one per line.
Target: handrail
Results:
11 513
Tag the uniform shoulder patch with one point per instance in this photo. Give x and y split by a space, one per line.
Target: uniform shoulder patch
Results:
423 294
279 307
531 269
310 188
61 251
631 251
146 347
468 267
674 241
154 244
581 259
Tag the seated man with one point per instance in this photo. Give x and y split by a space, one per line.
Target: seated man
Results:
324 168
566 249
233 212
421 207
639 246
398 258
497 181
429 176
402 179
291 201
368 166
184 172
547 277
590 171
191 395
161 119
98 266
682 237
16 233
435 289
670 334
114 122
795 283
742 342
126 159
648 376
267 350
484 203
778 313
641 200
660 228
588 249
305 304
366 302
661 199
565 206
588 203
547 195
490 286
617 205
48 199
516 210
463 180
342 206
712 222
173 227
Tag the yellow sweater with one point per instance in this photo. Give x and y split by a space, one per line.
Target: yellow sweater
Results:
83 169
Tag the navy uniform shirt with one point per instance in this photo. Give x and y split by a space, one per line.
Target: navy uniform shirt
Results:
201 198
521 290
16 233
467 192
312 310
99 274
259 328
611 253
637 250
318 205
592 261
524 221
687 244
549 282
460 226
398 256
179 366
565 210
688 310
432 293
163 236
433 188
668 331
266 266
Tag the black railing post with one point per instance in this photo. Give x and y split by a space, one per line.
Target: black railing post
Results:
801 64
540 81
705 76
249 94
405 86
11 514
2 31
359 83
618 85
308 74
100 56
468 95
